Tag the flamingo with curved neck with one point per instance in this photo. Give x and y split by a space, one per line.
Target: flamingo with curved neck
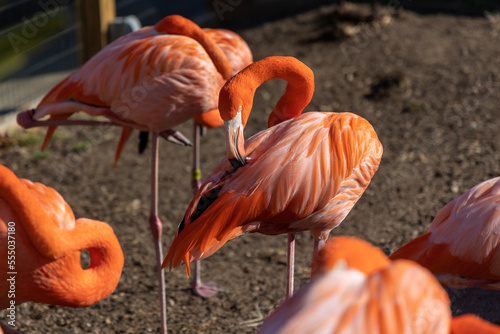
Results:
305 172
151 80
48 243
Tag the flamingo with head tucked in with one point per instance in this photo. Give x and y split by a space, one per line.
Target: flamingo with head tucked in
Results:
462 245
151 80
39 233
305 172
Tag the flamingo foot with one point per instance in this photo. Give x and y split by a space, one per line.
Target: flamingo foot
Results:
25 119
175 137
206 290
202 289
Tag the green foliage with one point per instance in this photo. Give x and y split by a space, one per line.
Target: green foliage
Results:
37 156
415 107
80 146
28 138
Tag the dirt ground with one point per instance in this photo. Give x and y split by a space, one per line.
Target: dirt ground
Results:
429 84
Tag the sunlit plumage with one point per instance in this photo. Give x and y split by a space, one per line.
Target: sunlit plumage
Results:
462 245
303 173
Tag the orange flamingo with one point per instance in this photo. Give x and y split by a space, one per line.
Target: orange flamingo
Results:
42 241
462 245
303 173
151 80
356 289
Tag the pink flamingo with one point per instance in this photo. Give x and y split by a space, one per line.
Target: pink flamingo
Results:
41 242
151 80
462 245
305 172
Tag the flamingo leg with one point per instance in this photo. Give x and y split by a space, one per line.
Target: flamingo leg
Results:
290 264
156 229
200 288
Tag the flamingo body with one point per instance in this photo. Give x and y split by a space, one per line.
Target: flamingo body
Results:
48 241
305 173
462 245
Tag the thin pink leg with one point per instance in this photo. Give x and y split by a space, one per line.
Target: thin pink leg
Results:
200 288
156 229
290 264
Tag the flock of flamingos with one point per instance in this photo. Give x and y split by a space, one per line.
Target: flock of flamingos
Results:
305 172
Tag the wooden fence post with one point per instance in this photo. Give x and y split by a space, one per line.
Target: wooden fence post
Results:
93 19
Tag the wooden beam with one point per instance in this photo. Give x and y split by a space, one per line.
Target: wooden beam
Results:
93 20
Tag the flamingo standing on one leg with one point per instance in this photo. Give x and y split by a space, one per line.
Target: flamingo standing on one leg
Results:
42 241
356 289
303 173
239 56
462 245
151 80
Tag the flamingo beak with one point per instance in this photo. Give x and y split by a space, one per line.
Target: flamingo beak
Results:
235 141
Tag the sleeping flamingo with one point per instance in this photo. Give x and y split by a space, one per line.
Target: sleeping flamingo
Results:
152 80
356 289
462 245
40 228
305 172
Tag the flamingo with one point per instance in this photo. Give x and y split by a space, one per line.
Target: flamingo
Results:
355 288
39 234
151 80
462 244
305 172
470 323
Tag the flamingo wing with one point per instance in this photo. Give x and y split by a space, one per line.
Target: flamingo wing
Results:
302 174
463 238
234 47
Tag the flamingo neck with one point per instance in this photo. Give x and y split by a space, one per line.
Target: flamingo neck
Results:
178 25
240 90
